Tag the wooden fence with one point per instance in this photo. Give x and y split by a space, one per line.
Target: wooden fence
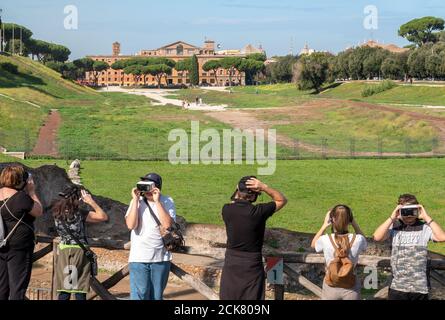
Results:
101 289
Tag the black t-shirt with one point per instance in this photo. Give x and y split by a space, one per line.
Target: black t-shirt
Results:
20 204
246 223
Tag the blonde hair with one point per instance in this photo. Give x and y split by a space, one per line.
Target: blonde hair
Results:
12 177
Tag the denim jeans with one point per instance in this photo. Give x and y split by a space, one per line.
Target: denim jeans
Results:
67 296
148 280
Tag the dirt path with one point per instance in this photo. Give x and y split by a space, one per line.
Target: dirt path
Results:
47 141
251 119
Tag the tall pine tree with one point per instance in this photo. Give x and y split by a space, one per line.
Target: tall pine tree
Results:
194 71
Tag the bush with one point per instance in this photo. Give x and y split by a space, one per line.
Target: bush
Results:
11 68
375 89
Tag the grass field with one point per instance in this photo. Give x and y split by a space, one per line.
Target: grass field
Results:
267 96
370 187
402 94
366 127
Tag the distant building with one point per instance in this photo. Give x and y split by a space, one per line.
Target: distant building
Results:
306 50
176 51
390 47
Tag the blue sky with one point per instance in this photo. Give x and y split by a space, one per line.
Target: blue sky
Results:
147 24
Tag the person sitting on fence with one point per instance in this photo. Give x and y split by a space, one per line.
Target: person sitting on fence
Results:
19 206
410 228
149 261
243 276
73 267
341 251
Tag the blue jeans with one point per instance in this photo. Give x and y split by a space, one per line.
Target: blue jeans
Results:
67 296
148 280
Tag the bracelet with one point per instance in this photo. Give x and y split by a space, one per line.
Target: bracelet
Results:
429 223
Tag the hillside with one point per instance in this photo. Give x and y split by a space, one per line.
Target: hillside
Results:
26 97
402 94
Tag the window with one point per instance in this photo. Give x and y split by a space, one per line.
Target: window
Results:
204 74
179 81
212 80
204 80
187 81
221 72
180 50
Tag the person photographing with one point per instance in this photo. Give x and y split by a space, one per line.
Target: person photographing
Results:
149 215
74 208
410 228
243 276
19 207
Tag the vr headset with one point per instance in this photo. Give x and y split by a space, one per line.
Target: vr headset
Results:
410 211
145 186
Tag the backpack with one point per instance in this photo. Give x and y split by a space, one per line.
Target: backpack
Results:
340 271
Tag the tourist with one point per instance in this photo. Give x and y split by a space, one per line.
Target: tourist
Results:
19 206
410 228
200 101
73 268
341 251
197 101
149 260
243 276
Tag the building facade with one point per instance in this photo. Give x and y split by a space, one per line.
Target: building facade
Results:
176 51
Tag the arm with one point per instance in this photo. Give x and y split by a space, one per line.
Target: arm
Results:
357 228
97 215
322 230
133 211
164 217
382 232
438 232
279 199
37 208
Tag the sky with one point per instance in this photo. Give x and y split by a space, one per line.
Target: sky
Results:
279 26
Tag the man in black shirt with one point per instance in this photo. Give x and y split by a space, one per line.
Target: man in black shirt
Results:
243 276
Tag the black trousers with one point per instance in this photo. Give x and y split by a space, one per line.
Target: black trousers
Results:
399 295
15 272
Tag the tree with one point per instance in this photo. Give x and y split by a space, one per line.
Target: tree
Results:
12 28
313 70
281 71
257 56
231 64
417 62
98 67
184 66
392 69
120 65
159 71
45 51
194 71
421 31
136 71
251 68
212 65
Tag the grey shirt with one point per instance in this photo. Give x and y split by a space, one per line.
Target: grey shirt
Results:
409 257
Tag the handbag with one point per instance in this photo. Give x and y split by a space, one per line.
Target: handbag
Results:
3 239
173 239
89 254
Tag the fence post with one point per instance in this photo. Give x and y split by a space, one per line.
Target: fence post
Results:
296 149
324 144
278 290
408 147
27 142
380 147
352 147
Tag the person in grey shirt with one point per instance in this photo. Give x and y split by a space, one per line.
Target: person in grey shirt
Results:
410 235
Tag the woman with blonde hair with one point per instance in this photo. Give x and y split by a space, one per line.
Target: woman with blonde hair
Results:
341 251
19 207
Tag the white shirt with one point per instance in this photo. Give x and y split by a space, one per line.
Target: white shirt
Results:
146 241
324 245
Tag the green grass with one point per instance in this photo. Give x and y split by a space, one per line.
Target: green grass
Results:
267 96
416 95
370 187
25 99
366 126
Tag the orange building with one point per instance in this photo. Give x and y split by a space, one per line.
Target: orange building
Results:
176 51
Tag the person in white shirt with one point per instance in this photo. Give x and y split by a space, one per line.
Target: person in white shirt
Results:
339 218
149 261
